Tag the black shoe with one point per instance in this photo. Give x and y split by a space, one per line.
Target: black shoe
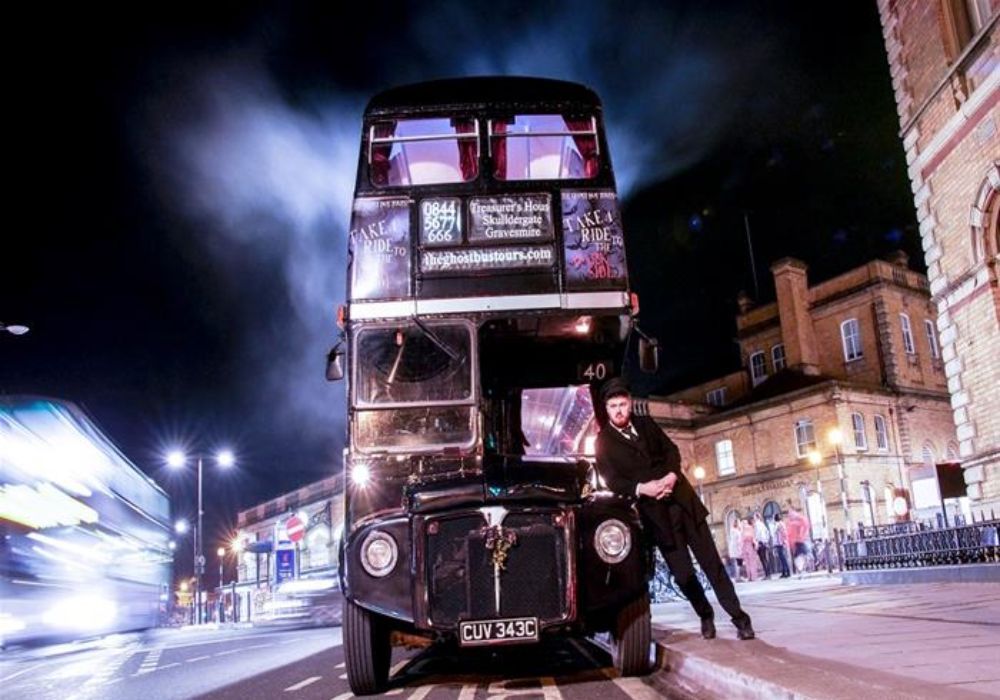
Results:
707 628
744 629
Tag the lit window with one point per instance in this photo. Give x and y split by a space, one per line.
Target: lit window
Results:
423 152
758 368
850 335
860 439
805 437
932 341
724 459
904 322
544 147
778 357
716 397
881 433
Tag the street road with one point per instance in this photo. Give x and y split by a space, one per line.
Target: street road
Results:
304 665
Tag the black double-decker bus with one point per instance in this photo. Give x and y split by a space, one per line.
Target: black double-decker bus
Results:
487 295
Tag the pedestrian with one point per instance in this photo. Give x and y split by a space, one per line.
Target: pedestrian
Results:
798 531
734 548
762 537
637 460
781 544
748 545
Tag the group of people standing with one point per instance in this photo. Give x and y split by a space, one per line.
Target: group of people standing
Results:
751 541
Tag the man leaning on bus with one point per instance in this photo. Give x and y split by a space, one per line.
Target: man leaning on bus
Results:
637 460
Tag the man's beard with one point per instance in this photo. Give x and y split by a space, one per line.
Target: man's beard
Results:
622 424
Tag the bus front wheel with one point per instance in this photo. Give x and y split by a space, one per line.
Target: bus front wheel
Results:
631 637
366 649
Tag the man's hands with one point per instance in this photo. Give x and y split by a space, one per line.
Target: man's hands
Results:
658 488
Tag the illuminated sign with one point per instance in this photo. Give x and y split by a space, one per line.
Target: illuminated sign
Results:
515 218
593 240
380 248
441 221
493 258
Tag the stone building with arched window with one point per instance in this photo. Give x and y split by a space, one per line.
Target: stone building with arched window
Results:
841 416
943 60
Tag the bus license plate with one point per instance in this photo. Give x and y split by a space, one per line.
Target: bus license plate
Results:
509 631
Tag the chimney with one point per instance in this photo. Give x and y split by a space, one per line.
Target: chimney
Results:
900 258
744 302
792 287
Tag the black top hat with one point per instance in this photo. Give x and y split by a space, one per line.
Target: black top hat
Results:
616 386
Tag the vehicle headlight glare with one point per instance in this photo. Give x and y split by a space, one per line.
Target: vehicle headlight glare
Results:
379 554
361 474
613 541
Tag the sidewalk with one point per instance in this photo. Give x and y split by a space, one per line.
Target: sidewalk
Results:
817 638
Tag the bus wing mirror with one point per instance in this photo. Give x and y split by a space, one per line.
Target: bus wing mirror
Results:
335 364
649 355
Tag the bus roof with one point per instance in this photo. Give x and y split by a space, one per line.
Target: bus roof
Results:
481 90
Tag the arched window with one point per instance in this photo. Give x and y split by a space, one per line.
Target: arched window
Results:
850 336
985 217
771 508
927 454
860 438
758 368
805 437
952 451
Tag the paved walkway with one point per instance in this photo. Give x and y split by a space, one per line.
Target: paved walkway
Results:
818 638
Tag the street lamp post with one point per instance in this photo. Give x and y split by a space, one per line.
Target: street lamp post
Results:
699 475
221 552
836 438
178 459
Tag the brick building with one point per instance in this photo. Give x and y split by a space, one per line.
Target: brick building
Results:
858 353
944 59
268 557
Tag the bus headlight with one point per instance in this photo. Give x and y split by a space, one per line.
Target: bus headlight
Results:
361 474
379 554
613 541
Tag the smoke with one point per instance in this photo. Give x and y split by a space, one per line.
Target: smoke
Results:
266 183
267 188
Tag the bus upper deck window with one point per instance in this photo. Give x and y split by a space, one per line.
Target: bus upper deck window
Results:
409 152
544 147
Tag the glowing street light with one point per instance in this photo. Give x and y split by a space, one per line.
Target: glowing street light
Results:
699 475
176 459
13 329
181 527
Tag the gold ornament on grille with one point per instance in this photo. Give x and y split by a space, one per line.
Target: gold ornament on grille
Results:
499 541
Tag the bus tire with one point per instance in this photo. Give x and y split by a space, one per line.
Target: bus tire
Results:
631 637
366 650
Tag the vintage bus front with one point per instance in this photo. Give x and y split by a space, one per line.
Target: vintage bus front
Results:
487 262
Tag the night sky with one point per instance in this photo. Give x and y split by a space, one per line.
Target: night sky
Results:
182 178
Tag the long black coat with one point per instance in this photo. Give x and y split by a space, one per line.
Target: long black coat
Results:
624 464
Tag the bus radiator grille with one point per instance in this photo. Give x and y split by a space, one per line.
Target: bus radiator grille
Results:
461 573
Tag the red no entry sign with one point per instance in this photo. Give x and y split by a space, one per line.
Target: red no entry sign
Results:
295 528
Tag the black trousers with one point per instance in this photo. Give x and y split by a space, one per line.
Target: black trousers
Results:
695 535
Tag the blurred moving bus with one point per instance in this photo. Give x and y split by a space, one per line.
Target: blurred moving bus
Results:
85 534
487 298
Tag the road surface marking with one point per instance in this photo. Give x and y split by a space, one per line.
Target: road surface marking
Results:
421 692
499 689
198 658
343 676
398 667
340 665
151 661
302 684
633 687
224 653
176 663
344 696
468 692
22 672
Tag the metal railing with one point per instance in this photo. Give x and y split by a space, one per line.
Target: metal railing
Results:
915 545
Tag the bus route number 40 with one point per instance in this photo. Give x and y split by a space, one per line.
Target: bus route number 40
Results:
595 371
